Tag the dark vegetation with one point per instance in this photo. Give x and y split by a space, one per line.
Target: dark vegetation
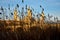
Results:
33 33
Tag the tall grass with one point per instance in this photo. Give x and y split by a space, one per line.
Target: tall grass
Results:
33 33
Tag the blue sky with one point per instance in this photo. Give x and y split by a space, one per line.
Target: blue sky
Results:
50 6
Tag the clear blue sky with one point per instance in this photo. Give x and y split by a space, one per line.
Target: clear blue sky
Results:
50 6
